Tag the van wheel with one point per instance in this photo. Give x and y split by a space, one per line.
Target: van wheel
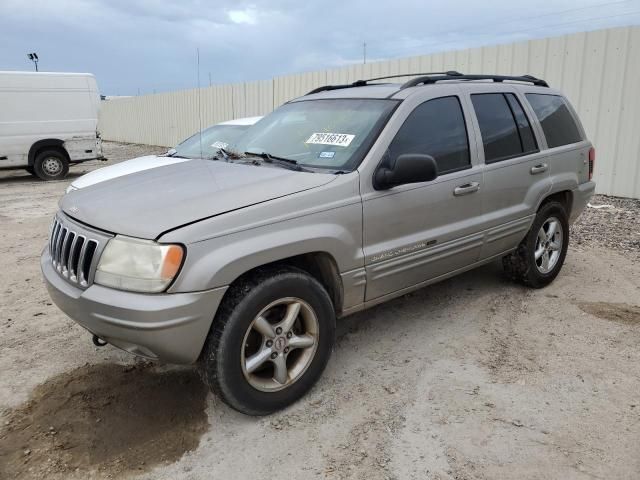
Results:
539 257
51 165
270 341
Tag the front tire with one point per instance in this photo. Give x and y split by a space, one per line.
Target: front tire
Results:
270 341
51 164
539 258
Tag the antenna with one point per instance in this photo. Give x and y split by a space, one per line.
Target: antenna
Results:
199 103
364 52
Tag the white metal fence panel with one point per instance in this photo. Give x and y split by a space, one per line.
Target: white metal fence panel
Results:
599 71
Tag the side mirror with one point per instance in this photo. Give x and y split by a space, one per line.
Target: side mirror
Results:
170 152
408 168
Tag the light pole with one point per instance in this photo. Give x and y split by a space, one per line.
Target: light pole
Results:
34 58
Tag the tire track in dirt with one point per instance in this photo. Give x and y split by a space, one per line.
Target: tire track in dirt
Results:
508 355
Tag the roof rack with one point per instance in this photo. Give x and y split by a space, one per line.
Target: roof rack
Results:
362 83
426 80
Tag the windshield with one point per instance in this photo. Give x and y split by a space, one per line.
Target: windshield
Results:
213 139
332 133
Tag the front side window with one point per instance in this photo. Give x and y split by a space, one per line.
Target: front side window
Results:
332 133
558 124
436 128
506 131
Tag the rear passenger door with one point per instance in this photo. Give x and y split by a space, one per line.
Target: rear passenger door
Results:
515 172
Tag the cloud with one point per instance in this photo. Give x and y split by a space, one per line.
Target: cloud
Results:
151 45
247 16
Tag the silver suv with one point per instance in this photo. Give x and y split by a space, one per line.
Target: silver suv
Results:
339 200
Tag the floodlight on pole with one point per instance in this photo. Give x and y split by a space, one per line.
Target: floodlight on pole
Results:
34 58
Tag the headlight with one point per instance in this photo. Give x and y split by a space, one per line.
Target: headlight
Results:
138 265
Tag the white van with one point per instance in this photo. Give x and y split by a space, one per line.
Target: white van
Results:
48 121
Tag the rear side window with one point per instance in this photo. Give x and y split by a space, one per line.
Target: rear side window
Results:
506 131
435 128
557 122
524 127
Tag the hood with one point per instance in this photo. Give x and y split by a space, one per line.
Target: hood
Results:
148 203
123 168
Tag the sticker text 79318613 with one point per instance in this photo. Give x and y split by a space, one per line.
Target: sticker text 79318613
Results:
337 139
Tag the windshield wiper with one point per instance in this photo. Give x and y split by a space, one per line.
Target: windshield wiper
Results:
175 155
226 155
284 162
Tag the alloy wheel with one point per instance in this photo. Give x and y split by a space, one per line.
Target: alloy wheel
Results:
280 344
548 245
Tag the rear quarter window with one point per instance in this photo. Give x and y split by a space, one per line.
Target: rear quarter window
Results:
557 122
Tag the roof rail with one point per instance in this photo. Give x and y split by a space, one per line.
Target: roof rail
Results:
362 83
496 78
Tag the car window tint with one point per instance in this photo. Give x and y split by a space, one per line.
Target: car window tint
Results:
558 124
524 127
435 128
500 135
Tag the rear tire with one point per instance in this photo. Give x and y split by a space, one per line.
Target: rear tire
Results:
270 341
538 259
51 164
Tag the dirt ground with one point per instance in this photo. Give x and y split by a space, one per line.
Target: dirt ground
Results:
472 378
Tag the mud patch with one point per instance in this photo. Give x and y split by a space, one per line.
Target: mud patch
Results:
107 418
615 312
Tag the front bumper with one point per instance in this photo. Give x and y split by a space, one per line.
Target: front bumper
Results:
168 327
581 197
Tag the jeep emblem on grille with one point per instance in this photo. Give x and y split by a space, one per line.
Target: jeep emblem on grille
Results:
73 209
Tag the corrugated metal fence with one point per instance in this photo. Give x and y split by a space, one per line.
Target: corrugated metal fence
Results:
599 71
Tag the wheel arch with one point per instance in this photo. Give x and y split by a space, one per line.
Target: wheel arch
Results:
318 264
45 143
564 197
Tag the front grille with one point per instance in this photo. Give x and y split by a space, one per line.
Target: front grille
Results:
72 253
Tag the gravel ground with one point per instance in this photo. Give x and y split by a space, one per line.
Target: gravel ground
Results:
472 378
612 223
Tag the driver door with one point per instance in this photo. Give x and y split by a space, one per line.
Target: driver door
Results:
420 231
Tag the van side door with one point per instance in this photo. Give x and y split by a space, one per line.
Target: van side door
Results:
417 232
516 172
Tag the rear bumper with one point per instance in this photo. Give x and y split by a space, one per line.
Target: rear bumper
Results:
168 327
581 197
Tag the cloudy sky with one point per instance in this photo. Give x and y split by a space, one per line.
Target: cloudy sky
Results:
150 46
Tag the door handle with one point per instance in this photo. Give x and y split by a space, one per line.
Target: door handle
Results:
539 168
466 189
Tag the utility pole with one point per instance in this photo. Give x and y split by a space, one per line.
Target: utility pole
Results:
364 52
34 58
209 78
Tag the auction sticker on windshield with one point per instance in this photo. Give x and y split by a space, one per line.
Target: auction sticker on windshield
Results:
337 139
